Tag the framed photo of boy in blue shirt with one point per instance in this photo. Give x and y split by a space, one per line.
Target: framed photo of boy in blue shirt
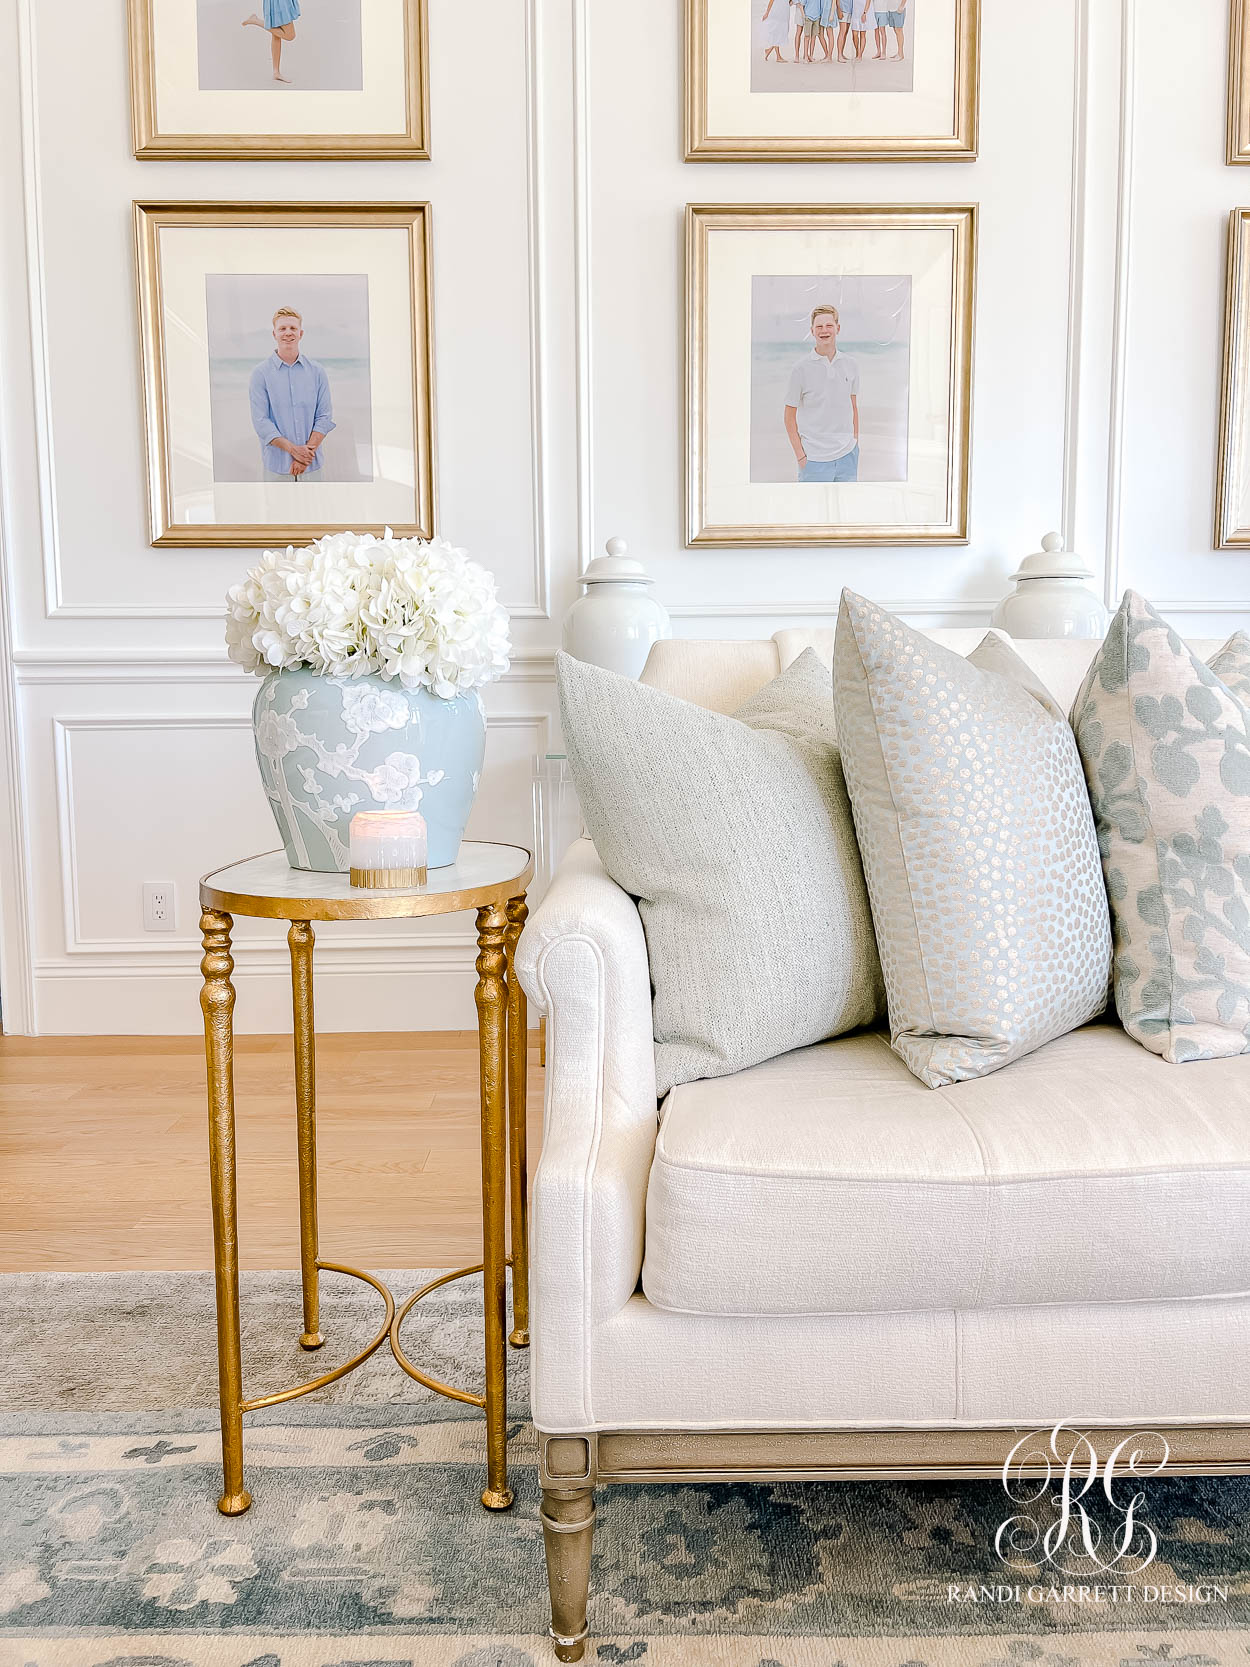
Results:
287 370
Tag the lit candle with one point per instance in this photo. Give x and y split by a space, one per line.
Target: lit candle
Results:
388 849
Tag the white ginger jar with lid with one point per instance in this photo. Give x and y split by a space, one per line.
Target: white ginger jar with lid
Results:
1050 598
614 624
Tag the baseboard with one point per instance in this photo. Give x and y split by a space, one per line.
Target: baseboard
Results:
141 1001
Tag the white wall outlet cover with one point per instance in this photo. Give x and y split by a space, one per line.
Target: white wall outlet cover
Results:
160 906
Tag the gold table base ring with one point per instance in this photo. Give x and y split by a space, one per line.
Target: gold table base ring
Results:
348 1365
401 1314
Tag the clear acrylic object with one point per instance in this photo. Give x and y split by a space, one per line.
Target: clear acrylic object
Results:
557 814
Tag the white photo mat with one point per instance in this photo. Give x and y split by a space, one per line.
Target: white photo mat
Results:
379 107
185 255
734 256
734 111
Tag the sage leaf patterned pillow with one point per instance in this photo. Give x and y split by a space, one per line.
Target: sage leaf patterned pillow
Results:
1165 741
978 846
1231 664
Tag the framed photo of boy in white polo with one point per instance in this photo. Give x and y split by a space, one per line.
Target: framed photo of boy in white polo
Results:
829 361
286 368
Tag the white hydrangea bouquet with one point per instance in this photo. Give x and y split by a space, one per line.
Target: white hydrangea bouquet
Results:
353 604
373 651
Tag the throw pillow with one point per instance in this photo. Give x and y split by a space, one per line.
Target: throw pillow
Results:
1231 664
734 835
1166 747
978 847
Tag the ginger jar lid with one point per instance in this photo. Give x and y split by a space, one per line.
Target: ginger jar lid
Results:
616 567
1053 562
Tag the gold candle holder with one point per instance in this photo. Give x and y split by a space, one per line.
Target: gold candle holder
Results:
388 879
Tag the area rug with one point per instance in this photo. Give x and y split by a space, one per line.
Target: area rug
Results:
366 1545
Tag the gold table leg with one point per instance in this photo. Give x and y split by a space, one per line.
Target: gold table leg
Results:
217 1001
518 1062
491 996
300 939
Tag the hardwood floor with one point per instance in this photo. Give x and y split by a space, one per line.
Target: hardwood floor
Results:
103 1151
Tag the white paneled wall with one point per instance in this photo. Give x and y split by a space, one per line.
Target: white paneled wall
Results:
557 193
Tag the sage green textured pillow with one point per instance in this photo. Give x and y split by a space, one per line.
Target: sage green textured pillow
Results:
978 846
1165 741
734 835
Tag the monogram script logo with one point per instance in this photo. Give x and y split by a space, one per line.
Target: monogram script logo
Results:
1086 1516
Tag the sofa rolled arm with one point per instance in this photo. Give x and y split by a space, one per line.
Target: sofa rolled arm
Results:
582 959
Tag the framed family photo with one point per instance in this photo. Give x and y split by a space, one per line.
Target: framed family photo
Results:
286 370
831 80
828 374
261 80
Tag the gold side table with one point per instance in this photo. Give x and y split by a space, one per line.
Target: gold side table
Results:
491 879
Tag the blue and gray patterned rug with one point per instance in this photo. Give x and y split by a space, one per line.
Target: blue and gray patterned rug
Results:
366 1546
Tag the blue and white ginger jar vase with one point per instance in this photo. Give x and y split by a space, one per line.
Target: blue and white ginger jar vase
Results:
330 746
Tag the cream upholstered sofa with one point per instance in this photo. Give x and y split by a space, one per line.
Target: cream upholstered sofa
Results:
819 1268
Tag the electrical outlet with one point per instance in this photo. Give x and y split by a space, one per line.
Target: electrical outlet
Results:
160 904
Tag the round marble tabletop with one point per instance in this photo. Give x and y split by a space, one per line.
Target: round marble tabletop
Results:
268 886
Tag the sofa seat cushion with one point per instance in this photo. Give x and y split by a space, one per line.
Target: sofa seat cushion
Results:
831 1180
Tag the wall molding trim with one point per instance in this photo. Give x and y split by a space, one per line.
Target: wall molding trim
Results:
132 665
16 887
263 961
63 728
417 949
36 309
1076 266
535 222
584 392
55 604
1119 333
780 611
1196 606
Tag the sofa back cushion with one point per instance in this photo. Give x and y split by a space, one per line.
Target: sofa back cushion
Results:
1165 742
721 675
734 834
978 846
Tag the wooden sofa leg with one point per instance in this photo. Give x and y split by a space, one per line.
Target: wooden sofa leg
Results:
568 1524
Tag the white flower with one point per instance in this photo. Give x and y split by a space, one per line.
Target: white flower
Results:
395 781
411 609
276 733
369 711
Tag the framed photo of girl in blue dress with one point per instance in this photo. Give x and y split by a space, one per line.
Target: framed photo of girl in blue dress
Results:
286 365
266 79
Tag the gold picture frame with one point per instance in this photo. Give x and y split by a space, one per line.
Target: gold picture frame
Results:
155 221
959 145
1237 141
153 143
1232 474
951 347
